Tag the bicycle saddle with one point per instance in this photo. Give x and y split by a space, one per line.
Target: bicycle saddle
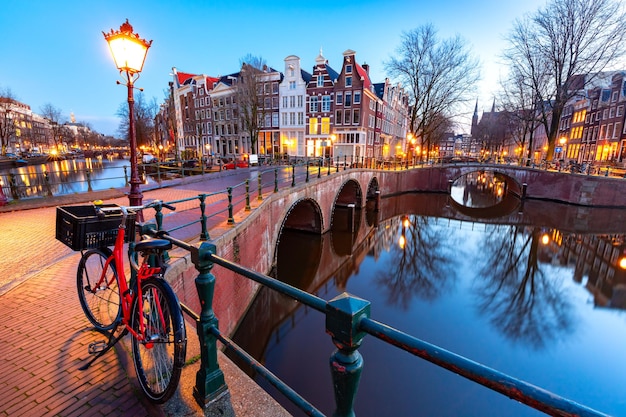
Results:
153 244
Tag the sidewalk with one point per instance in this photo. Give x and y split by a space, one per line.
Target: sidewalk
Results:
44 334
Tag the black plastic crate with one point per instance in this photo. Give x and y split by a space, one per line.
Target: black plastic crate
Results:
79 227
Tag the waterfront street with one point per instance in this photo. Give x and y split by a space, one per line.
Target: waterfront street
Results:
44 334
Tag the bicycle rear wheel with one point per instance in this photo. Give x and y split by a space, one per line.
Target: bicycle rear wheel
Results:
99 298
159 358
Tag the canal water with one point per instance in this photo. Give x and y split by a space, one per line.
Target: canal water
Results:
542 304
67 177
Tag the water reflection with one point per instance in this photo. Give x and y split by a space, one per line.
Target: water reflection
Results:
550 313
520 299
65 177
479 189
422 268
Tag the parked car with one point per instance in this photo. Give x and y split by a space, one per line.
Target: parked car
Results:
238 164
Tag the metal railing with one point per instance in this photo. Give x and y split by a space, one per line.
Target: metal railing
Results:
347 322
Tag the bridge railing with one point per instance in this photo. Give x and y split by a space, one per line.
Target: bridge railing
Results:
347 321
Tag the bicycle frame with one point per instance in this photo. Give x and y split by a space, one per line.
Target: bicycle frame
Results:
126 295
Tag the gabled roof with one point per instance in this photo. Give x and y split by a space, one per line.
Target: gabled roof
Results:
332 73
183 76
306 76
379 89
367 83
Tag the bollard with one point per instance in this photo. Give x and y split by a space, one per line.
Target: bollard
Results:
248 195
204 233
343 314
231 219
293 175
210 383
307 171
275 180
260 197
319 169
345 162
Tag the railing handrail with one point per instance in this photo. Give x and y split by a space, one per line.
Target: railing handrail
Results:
347 322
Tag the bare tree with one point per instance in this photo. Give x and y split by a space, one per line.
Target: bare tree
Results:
54 116
248 97
519 102
145 112
440 76
7 124
561 48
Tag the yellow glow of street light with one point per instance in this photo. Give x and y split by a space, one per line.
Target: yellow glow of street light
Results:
545 239
622 262
128 49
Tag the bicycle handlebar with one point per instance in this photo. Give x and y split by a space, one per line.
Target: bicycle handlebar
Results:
100 211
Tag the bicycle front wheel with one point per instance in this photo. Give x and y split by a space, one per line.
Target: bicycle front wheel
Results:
158 358
98 289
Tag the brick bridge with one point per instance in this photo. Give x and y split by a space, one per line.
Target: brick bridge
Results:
343 196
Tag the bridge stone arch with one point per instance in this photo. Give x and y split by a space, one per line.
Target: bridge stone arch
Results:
349 196
512 184
304 215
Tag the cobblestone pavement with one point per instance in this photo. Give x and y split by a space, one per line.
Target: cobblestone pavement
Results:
44 334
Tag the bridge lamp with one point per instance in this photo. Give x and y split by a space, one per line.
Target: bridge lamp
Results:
129 53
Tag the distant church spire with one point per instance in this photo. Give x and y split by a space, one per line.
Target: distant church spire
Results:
493 106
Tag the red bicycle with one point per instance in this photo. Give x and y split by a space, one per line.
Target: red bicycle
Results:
147 307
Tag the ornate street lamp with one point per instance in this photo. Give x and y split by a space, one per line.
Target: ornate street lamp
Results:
129 52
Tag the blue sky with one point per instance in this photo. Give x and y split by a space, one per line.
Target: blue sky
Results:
54 52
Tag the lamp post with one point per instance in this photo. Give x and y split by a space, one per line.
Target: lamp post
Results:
129 52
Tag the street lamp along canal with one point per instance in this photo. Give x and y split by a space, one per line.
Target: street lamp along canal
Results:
129 52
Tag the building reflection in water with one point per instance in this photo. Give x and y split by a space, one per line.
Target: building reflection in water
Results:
499 293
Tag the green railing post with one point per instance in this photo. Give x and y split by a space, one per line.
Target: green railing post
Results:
345 162
307 171
210 383
231 219
13 185
88 174
319 168
248 195
329 164
337 166
159 172
204 233
125 176
46 177
343 314
293 175
275 180
260 197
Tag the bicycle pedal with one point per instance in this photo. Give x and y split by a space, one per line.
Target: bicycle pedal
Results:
97 347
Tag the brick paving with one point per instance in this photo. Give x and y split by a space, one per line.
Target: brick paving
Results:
43 332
